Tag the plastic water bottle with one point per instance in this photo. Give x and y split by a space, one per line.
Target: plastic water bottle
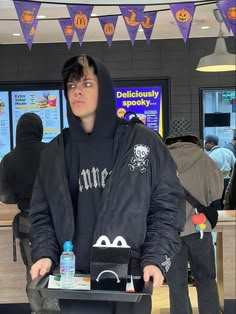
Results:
67 266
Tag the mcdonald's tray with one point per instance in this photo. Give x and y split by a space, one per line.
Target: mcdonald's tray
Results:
40 284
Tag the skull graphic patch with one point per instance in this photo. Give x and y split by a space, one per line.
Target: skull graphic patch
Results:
139 160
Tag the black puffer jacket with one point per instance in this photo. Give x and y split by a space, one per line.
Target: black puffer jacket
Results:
143 171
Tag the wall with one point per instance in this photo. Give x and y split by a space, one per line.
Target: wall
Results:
172 58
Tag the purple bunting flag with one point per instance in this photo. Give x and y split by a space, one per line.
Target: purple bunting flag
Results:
132 16
32 34
183 14
27 13
80 16
228 8
108 24
68 30
148 24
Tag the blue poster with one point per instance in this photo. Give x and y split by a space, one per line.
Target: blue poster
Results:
45 103
5 143
145 102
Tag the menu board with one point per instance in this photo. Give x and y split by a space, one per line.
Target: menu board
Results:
45 103
64 112
145 102
5 144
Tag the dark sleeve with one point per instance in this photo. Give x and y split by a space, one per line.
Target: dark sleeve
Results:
7 195
43 237
166 217
230 190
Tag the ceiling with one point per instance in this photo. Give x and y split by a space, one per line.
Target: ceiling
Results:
49 30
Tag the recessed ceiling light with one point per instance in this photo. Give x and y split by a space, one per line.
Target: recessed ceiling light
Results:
94 14
16 34
205 27
41 17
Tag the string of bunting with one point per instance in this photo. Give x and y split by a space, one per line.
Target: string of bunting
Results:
133 16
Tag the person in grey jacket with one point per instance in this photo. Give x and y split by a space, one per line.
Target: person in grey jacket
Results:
105 176
201 178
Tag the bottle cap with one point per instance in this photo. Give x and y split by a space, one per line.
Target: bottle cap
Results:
68 246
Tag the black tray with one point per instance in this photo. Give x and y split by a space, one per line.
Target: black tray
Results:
39 285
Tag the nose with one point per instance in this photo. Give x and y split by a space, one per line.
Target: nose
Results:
78 89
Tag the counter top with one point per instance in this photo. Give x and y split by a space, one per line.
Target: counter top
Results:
7 213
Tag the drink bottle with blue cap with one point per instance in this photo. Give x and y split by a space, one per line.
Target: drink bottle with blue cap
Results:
67 266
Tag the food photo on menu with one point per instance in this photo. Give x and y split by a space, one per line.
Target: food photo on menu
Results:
44 103
2 105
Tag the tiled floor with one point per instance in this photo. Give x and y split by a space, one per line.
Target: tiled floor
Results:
160 300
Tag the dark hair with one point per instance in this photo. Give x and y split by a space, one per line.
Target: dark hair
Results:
74 68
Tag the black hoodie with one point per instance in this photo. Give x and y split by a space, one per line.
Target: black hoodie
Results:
89 159
18 168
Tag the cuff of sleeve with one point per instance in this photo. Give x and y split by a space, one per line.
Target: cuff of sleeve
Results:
163 263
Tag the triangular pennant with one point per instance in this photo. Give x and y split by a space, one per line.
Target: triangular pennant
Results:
228 8
148 24
80 16
27 13
132 16
183 14
32 34
68 30
108 24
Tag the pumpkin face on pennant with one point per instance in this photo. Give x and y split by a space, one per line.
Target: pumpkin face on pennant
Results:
109 29
27 16
68 30
232 13
80 20
183 15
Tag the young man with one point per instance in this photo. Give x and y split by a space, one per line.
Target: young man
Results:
103 176
204 181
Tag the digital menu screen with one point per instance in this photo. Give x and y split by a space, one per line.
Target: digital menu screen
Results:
145 102
45 103
5 144
64 112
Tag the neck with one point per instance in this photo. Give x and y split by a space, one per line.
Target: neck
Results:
87 124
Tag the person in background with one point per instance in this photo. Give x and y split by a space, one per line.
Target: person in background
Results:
204 181
105 176
17 175
230 192
232 145
223 157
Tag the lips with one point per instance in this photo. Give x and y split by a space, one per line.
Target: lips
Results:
78 102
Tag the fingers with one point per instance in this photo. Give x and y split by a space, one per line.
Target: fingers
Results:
40 268
153 272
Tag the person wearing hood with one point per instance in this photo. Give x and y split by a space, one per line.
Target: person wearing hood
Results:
17 175
104 176
203 180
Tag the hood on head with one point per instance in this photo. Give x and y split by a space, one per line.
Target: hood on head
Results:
106 118
185 154
29 128
180 128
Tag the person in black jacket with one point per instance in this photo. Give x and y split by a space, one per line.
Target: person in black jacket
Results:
230 195
17 175
104 176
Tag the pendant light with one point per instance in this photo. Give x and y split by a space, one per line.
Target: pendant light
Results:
221 60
